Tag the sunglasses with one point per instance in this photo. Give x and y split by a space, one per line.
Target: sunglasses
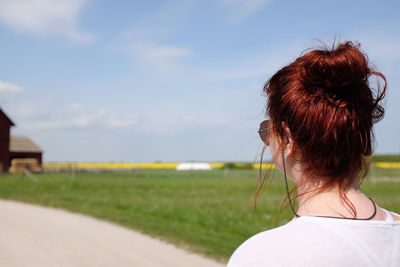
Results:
263 131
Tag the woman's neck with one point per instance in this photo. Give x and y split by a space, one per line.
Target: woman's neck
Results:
330 202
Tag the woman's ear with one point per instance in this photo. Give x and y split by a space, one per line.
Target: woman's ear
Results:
289 142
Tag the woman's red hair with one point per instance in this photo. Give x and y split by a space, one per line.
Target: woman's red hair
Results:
325 99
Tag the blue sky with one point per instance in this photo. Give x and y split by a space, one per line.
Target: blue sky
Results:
143 81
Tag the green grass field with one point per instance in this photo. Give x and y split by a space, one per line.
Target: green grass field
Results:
204 211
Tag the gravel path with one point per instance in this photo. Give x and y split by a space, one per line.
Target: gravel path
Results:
38 236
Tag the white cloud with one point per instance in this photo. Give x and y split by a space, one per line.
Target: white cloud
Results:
165 58
10 88
118 122
51 115
241 9
41 17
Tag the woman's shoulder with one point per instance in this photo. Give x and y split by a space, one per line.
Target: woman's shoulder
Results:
276 235
307 238
270 242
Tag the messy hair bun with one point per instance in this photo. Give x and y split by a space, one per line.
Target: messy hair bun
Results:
341 73
325 99
334 70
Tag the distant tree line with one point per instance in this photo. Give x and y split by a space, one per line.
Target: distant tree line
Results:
386 158
374 158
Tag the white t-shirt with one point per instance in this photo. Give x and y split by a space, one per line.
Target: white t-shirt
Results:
315 241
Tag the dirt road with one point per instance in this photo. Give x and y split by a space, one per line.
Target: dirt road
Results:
39 236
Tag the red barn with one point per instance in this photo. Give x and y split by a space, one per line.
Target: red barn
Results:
5 125
15 147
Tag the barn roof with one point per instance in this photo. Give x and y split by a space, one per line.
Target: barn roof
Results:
23 144
4 115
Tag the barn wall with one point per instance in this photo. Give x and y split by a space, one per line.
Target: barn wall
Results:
4 145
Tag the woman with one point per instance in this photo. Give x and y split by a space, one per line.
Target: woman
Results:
321 111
